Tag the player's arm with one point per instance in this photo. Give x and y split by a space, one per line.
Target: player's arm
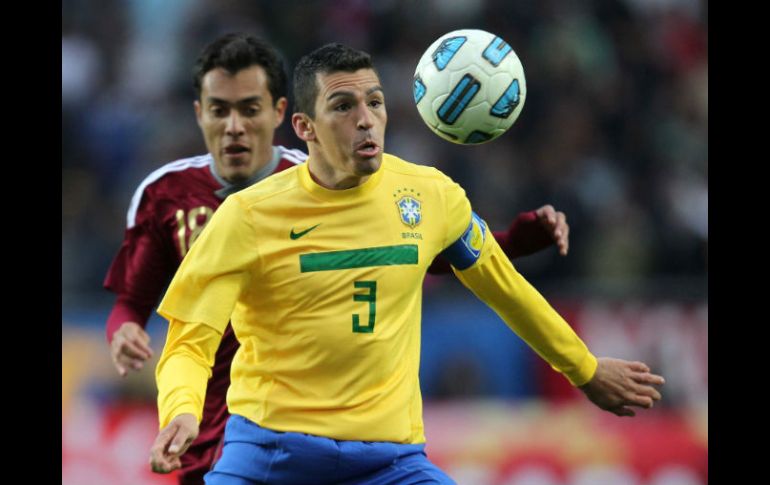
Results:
205 289
138 274
529 233
612 384
182 373
129 342
534 231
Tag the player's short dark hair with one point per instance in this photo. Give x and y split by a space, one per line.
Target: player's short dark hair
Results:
329 58
237 51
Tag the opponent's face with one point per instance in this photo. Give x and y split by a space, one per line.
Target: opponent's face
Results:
238 118
348 131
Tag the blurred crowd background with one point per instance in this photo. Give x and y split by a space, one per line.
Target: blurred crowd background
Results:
613 133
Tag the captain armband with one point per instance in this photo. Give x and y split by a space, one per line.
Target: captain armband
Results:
464 252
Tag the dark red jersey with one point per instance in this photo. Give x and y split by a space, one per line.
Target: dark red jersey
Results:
167 213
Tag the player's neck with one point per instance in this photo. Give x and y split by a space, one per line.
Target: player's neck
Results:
264 170
325 176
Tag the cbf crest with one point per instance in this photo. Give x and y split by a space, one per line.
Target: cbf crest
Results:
409 207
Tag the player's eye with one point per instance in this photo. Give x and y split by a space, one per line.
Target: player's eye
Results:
251 111
342 107
218 111
376 103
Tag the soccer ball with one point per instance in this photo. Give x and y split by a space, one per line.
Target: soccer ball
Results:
469 86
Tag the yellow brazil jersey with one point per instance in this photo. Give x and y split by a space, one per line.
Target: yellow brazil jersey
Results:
324 289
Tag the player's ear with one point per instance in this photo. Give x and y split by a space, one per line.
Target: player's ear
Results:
198 111
280 110
303 127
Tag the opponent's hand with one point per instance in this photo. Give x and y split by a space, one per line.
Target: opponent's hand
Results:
619 384
171 443
555 224
130 348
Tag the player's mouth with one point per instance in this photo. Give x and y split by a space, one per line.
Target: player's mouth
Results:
367 149
236 151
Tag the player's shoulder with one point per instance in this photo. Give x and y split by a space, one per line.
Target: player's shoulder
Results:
291 155
172 176
402 167
172 172
275 185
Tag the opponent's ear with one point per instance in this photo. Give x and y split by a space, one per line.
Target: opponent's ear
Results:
280 110
198 111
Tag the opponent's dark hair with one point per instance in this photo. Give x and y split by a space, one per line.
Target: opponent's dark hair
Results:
237 51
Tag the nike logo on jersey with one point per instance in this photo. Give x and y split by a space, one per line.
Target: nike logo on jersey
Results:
297 235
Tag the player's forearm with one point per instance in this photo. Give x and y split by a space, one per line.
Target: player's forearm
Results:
184 369
496 282
127 309
524 236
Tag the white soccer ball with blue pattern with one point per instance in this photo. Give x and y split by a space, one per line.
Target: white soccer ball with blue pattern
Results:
469 86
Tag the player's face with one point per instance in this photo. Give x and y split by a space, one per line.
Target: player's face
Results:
349 126
237 116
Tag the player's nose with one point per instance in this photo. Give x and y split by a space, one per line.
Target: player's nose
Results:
365 118
234 125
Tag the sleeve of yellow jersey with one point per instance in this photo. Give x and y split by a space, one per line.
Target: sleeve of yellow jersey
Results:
198 305
213 274
184 369
489 274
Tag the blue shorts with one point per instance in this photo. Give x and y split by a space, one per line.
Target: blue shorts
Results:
255 455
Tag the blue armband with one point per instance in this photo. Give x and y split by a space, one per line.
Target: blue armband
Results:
464 252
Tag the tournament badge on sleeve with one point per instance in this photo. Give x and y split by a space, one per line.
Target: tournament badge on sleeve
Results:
464 252
473 239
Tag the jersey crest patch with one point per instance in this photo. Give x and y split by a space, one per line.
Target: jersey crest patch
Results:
409 208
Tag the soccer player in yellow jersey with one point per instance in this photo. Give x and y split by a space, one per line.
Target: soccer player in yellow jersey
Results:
320 268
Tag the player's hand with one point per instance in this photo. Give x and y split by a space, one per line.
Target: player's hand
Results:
619 384
130 348
172 442
555 223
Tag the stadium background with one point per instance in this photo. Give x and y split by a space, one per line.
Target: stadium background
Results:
614 133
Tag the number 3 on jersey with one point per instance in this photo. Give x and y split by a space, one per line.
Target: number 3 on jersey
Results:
370 297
